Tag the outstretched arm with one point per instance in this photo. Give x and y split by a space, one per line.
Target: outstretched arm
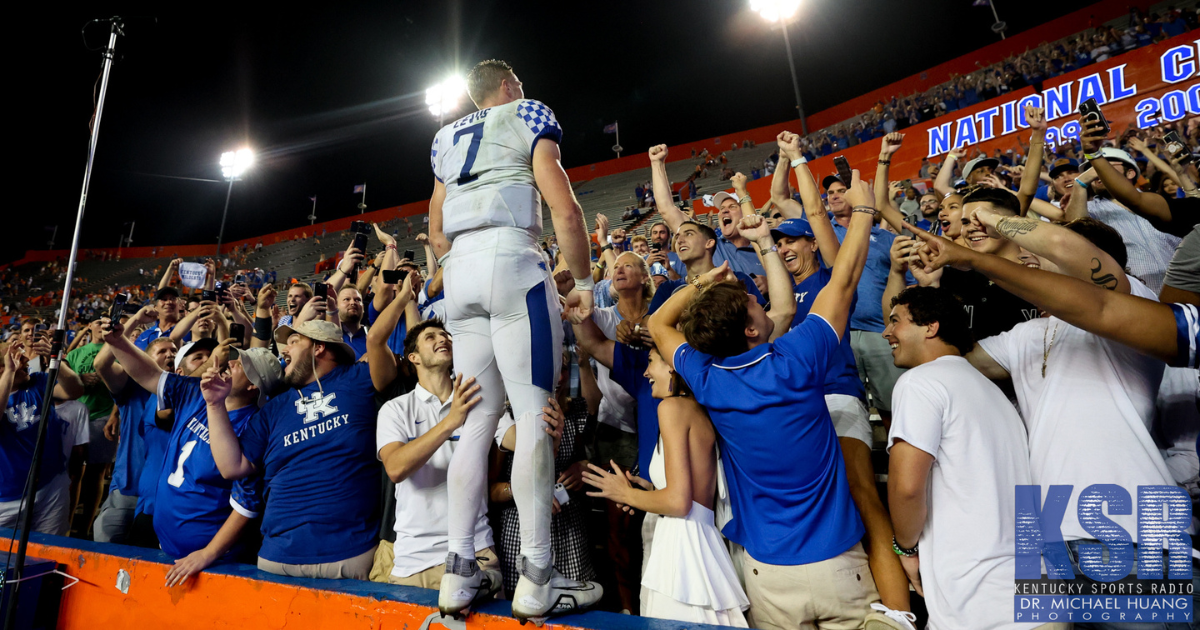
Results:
1073 254
592 339
380 359
137 364
944 183
1152 206
224 442
1036 117
883 191
662 189
833 302
1144 325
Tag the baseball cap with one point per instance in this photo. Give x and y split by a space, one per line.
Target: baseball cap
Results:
793 228
263 371
205 343
829 180
720 198
978 162
1063 164
320 330
1109 153
166 292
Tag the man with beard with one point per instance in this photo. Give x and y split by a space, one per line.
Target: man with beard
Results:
314 444
350 314
660 235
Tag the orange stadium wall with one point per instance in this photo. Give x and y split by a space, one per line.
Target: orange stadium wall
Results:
242 597
1141 88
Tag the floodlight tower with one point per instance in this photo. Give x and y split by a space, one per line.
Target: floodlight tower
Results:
782 11
233 164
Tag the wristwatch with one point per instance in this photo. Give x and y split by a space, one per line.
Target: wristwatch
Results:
772 248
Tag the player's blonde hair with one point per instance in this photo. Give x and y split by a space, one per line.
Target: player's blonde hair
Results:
485 78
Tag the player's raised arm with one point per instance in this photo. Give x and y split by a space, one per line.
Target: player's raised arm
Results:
565 213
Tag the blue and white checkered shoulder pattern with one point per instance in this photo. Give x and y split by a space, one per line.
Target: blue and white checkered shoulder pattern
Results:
539 119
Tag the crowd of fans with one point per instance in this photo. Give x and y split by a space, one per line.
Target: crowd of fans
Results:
1011 325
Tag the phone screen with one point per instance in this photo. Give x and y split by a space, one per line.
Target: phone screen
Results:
237 332
394 276
843 169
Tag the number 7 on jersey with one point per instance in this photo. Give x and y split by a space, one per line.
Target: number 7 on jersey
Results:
476 132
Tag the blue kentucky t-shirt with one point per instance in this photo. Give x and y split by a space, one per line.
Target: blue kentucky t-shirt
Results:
18 435
842 377
316 451
193 499
787 481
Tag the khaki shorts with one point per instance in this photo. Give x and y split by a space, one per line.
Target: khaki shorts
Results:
834 594
356 568
432 577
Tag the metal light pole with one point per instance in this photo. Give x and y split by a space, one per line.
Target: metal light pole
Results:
233 164
782 11
787 44
53 236
29 497
998 27
224 213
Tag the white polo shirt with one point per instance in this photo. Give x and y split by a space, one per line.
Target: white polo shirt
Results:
421 501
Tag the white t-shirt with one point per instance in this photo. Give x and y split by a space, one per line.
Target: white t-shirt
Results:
951 411
1089 419
422 537
617 408
75 414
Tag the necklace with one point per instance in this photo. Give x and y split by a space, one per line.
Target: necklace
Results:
1046 348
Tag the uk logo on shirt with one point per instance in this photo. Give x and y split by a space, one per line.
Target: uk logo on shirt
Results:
23 415
316 404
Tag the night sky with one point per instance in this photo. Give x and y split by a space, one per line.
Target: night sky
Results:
334 97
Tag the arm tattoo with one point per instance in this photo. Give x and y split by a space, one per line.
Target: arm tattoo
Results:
1106 280
1012 227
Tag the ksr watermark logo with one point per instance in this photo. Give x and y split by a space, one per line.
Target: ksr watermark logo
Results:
1090 579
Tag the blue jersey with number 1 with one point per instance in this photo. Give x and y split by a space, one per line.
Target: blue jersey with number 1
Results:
193 499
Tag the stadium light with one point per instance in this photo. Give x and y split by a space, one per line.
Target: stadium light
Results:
783 11
443 98
233 165
775 10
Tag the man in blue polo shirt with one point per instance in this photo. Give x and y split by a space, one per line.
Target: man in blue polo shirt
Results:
315 447
792 510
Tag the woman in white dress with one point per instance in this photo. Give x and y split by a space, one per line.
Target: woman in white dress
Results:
689 576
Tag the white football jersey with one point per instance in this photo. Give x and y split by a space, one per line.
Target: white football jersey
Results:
485 160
